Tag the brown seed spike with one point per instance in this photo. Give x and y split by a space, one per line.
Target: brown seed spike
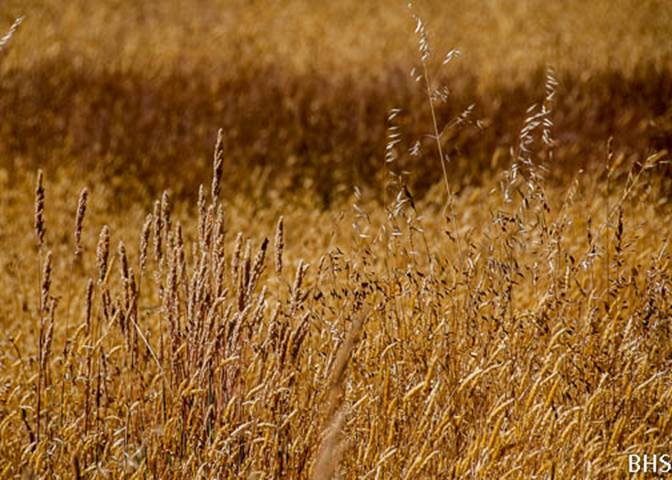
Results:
79 220
158 231
165 211
235 258
40 229
49 336
144 241
257 268
279 245
202 212
123 262
89 305
46 282
103 253
217 166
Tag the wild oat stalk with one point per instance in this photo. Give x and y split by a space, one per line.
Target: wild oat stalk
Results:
424 51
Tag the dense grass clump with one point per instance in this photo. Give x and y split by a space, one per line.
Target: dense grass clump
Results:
451 274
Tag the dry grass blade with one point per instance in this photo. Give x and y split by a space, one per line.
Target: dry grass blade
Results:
331 450
332 446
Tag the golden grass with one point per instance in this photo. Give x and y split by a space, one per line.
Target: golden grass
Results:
465 313
301 90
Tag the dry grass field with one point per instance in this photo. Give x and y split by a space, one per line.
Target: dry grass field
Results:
290 239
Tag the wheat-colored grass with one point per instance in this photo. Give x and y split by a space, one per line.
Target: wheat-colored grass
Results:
506 318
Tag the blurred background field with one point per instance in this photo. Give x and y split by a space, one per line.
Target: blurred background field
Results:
135 91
